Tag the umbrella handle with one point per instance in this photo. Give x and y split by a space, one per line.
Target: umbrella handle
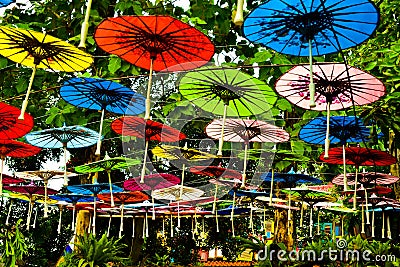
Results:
366 206
28 221
215 199
153 216
216 221
133 226
9 212
373 224
149 84
232 213
94 216
111 188
1 175
272 187
389 234
45 199
238 20
244 165
98 147
121 224
355 190
144 163
73 217
172 226
65 164
221 138
34 220
59 221
344 169
362 219
25 102
109 227
85 25
301 213
327 141
383 224
311 86
311 219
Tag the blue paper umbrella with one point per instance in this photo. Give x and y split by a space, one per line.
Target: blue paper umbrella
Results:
4 3
63 137
94 189
311 27
101 94
73 199
343 129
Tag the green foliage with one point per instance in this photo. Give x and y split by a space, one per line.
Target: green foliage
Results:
92 252
13 246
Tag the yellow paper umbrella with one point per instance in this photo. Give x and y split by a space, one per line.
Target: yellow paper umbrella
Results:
39 50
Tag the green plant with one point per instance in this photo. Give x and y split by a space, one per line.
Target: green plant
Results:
90 252
14 245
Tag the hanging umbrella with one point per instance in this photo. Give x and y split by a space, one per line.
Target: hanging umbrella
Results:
342 129
63 137
45 176
311 28
10 126
154 43
8 180
14 149
358 156
366 178
337 86
123 198
147 129
30 190
94 189
227 92
40 50
107 164
101 94
183 154
145 204
85 25
73 199
151 182
246 131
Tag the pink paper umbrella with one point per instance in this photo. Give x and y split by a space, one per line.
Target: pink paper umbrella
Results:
337 86
151 182
30 190
246 131
147 129
366 178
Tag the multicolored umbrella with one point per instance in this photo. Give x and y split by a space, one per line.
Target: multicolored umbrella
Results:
107 164
246 131
311 28
14 149
45 176
94 189
101 94
155 43
227 92
151 182
30 190
63 137
147 129
358 156
337 86
123 198
10 126
40 50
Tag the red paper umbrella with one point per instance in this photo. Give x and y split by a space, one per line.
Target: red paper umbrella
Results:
151 182
124 197
216 171
358 156
366 178
154 43
7 179
337 86
14 149
147 129
10 126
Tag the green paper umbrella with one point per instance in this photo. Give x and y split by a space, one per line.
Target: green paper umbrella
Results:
227 92
108 164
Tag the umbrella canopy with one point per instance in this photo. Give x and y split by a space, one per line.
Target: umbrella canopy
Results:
14 149
147 129
337 86
63 137
40 50
303 28
30 189
173 193
290 178
183 154
366 178
124 197
7 179
101 94
107 164
226 92
154 43
10 126
216 171
246 131
151 182
343 129
4 3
